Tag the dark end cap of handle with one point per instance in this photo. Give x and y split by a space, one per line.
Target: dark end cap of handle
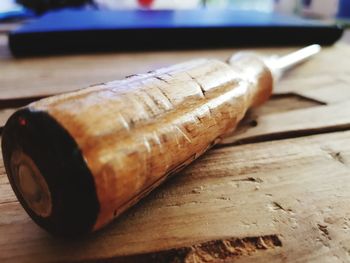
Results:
48 173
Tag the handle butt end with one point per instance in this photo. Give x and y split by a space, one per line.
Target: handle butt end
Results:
48 174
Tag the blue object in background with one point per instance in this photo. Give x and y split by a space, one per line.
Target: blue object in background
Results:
344 9
92 30
15 14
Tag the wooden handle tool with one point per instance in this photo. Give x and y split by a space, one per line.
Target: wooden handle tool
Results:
78 160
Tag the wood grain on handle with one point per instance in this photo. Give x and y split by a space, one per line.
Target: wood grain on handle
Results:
133 133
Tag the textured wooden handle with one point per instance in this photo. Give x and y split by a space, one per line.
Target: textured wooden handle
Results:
125 137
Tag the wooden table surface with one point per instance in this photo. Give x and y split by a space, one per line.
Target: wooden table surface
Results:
275 191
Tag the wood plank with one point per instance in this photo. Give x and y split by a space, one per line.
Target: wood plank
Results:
310 81
292 123
295 190
325 78
234 203
327 88
6 193
279 103
57 74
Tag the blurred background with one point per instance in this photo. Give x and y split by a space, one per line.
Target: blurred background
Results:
58 26
324 9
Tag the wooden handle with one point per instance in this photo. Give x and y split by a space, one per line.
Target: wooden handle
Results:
76 161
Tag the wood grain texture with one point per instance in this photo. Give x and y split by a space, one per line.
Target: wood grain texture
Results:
43 75
136 132
294 123
296 190
232 199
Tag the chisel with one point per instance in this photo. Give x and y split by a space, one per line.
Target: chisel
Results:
78 160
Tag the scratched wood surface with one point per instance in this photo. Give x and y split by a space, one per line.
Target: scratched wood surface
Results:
275 191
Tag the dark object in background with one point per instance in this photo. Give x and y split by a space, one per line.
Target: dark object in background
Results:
91 30
41 6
